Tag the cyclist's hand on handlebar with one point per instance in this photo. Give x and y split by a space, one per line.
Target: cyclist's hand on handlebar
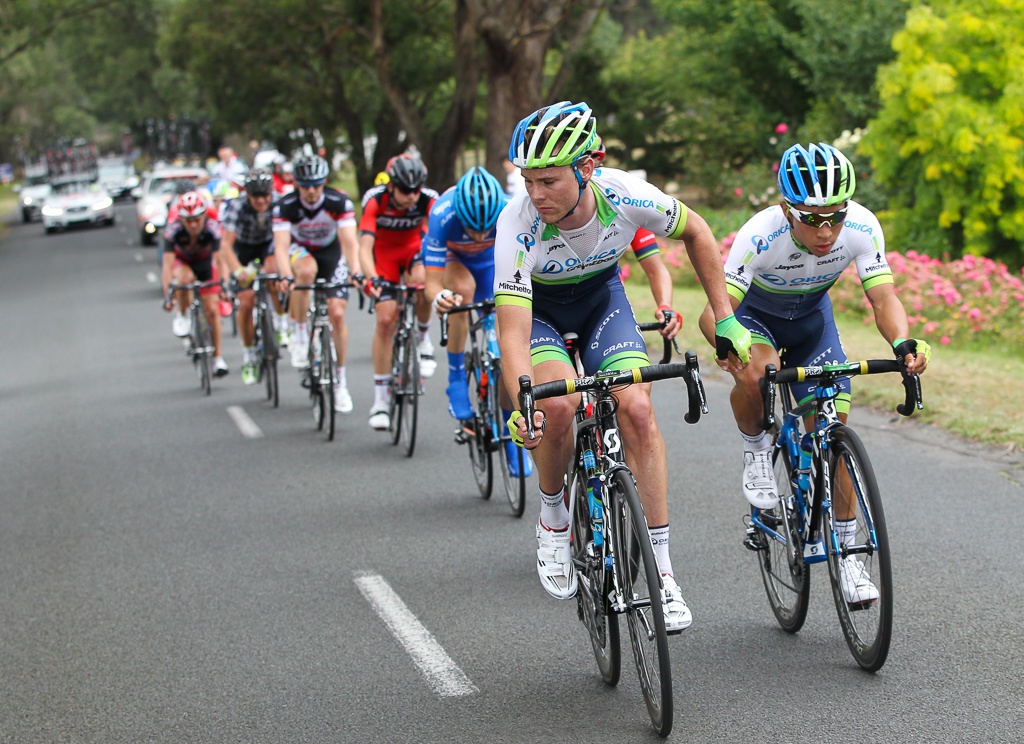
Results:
914 352
445 300
517 428
675 323
371 286
732 344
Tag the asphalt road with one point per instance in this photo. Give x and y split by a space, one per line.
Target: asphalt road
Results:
164 578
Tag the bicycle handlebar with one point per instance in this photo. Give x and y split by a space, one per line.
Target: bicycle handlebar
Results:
191 286
772 377
484 307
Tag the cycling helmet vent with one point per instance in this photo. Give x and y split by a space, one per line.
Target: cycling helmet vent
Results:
407 172
191 204
311 169
816 176
479 199
559 134
259 183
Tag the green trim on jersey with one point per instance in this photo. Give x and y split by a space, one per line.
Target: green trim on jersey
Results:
735 290
625 360
875 279
506 299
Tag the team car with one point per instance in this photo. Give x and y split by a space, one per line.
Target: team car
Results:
33 190
75 200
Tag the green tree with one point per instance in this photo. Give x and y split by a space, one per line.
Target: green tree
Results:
948 144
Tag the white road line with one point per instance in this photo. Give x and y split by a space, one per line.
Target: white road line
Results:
245 424
151 277
441 672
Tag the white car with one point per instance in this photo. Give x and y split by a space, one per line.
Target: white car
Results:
117 177
153 197
31 194
74 201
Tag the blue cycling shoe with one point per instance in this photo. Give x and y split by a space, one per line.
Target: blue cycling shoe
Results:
458 400
513 461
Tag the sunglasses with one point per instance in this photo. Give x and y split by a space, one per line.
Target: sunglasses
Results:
310 184
408 191
820 220
192 219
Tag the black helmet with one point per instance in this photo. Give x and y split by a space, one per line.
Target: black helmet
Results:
259 182
407 172
311 170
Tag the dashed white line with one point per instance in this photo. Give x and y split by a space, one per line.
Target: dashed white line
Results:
151 277
245 424
443 675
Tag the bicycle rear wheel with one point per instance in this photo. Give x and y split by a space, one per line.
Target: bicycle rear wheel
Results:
328 371
480 451
787 579
595 587
410 395
515 486
867 624
203 349
641 587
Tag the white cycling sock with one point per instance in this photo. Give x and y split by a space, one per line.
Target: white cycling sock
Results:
302 331
553 512
659 539
756 443
380 390
846 531
342 382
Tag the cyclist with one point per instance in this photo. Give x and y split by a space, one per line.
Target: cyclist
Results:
248 238
315 238
193 242
458 252
782 264
390 238
556 256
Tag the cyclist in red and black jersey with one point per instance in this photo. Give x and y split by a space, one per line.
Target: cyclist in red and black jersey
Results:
193 242
391 234
315 238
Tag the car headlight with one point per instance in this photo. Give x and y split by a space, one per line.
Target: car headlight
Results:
27 201
150 228
104 203
52 211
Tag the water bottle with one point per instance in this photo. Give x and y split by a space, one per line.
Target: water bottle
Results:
804 470
594 498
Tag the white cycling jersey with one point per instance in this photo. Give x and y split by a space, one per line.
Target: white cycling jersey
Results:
532 258
770 272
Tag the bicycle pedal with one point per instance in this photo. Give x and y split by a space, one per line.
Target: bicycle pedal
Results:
754 541
463 436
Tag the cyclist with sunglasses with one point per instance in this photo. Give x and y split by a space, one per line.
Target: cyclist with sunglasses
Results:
315 238
391 232
783 262
249 237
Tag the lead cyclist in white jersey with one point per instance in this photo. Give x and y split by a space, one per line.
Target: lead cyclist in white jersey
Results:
782 264
555 257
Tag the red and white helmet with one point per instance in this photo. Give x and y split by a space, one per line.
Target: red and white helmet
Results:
191 204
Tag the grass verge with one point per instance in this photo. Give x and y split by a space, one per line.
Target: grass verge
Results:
965 391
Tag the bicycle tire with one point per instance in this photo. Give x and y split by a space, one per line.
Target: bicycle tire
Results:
645 618
204 344
592 604
480 454
268 357
411 395
396 387
866 626
786 577
515 487
328 372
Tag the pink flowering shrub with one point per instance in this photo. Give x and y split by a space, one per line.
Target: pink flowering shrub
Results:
947 302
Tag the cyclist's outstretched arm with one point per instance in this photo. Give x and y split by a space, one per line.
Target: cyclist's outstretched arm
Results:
516 324
350 249
660 280
891 319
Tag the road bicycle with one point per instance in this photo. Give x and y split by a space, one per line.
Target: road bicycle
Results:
199 344
822 476
486 433
617 571
320 374
404 384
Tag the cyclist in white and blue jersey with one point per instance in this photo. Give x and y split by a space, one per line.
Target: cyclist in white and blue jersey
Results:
783 262
555 257
458 252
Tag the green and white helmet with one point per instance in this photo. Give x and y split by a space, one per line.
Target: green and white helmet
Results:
556 135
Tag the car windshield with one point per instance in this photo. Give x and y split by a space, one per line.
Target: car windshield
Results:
74 187
35 180
166 185
115 170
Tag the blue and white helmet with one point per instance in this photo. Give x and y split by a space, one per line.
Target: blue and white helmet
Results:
478 199
816 176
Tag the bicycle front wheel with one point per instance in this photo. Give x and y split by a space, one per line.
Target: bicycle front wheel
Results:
595 586
480 455
204 348
328 372
515 485
410 395
858 555
268 357
641 587
787 579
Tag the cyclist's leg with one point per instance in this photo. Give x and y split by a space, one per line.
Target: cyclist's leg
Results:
461 281
304 268
416 276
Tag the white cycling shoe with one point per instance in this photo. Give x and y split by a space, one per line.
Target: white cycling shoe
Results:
181 325
677 615
380 419
428 365
554 563
342 399
759 484
856 582
300 355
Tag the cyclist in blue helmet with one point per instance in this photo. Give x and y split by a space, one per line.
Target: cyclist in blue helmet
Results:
458 251
783 262
556 270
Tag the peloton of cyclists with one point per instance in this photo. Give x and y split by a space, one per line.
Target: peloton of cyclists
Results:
391 232
192 254
315 238
458 252
556 255
778 286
